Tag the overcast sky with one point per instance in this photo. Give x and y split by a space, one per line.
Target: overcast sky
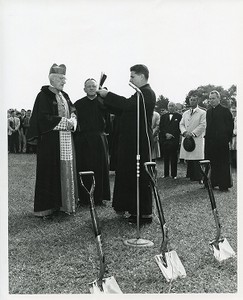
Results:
184 43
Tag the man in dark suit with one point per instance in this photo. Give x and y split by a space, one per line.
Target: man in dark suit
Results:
169 138
219 133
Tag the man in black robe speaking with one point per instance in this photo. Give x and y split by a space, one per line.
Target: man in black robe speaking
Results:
125 195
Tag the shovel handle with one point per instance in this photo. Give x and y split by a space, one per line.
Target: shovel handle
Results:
150 168
94 216
88 173
205 167
101 258
95 221
206 172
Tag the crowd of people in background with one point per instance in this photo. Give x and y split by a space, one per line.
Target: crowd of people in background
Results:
181 109
98 133
18 124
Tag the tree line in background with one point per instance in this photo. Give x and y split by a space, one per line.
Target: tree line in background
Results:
228 97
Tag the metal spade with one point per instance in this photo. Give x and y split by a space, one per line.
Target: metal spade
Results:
220 246
101 284
168 261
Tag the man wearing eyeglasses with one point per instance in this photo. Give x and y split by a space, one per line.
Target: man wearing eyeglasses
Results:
91 143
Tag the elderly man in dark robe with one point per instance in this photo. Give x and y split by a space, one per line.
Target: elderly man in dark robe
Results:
52 122
125 188
219 132
91 143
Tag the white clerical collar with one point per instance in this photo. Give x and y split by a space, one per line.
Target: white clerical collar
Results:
91 98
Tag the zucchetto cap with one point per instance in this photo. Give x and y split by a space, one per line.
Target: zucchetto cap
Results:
55 69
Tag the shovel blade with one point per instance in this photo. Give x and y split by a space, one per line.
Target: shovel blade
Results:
110 286
95 288
107 286
224 252
173 268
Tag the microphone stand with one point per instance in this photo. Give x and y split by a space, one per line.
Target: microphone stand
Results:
138 242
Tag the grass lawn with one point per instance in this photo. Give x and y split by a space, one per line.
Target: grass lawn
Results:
59 256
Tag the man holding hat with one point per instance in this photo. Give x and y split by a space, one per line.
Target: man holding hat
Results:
52 122
192 127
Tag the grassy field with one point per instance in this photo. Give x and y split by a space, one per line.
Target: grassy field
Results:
59 256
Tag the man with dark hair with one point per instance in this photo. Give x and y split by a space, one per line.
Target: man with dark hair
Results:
91 143
140 69
219 132
15 133
22 137
26 126
12 133
169 136
125 192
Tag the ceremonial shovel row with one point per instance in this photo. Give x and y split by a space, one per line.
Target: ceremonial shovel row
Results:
168 261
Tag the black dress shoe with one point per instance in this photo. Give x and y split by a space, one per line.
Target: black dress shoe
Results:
48 217
100 203
132 219
142 221
223 189
146 220
120 213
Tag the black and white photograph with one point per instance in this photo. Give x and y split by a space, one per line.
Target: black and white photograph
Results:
120 163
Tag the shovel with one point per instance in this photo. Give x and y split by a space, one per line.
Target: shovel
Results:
168 261
220 246
100 285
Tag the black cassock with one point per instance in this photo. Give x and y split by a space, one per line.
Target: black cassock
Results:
125 196
92 148
219 131
43 120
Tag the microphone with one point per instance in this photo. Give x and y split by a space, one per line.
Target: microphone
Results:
135 87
